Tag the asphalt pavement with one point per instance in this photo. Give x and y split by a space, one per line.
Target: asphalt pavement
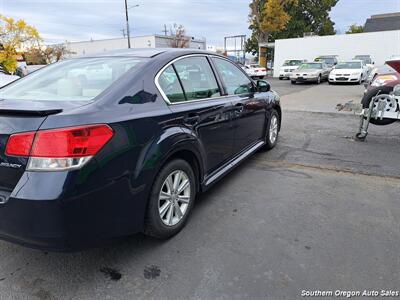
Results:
318 212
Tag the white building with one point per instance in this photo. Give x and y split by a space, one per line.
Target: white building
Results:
148 41
380 45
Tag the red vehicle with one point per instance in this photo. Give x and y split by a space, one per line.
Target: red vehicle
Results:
382 83
384 76
381 101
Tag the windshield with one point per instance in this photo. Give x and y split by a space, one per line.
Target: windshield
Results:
70 80
349 65
310 66
327 60
292 63
365 59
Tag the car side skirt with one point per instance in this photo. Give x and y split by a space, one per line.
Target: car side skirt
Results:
229 166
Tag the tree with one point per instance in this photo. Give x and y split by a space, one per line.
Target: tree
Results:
42 55
354 28
266 17
34 56
305 16
178 37
14 35
60 51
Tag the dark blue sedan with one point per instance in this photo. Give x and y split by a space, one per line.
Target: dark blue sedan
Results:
101 147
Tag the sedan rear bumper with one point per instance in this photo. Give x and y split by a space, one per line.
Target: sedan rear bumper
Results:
36 224
73 223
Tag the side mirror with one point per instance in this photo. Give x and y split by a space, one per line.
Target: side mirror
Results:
335 63
263 86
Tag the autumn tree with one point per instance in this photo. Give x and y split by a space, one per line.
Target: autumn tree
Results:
305 16
266 17
34 56
14 36
178 37
354 28
46 54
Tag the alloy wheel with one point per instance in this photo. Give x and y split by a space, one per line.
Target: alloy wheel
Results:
174 198
273 129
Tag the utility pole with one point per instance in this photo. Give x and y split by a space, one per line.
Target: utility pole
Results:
127 24
127 21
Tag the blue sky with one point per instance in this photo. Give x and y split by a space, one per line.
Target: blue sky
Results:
75 20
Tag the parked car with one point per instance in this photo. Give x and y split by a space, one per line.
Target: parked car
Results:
6 78
288 67
255 71
128 151
384 84
329 60
366 59
311 72
385 75
354 71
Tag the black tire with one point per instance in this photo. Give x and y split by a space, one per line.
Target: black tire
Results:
154 226
331 82
268 143
319 79
367 99
280 78
293 81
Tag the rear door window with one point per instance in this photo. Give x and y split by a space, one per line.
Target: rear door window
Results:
197 77
235 82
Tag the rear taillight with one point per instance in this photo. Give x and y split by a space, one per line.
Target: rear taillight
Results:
20 144
59 149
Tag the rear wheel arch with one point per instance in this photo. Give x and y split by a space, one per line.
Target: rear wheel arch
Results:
192 159
185 153
279 111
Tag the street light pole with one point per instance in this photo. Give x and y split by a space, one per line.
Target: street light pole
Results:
127 24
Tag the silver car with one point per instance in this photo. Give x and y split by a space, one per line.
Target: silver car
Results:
311 72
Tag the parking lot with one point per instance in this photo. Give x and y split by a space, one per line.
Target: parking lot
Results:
318 212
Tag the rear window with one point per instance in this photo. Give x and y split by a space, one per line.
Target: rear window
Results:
71 80
349 65
292 63
310 66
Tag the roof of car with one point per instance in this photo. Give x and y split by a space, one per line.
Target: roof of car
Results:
351 60
147 52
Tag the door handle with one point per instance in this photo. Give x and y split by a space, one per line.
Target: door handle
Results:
238 107
191 119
